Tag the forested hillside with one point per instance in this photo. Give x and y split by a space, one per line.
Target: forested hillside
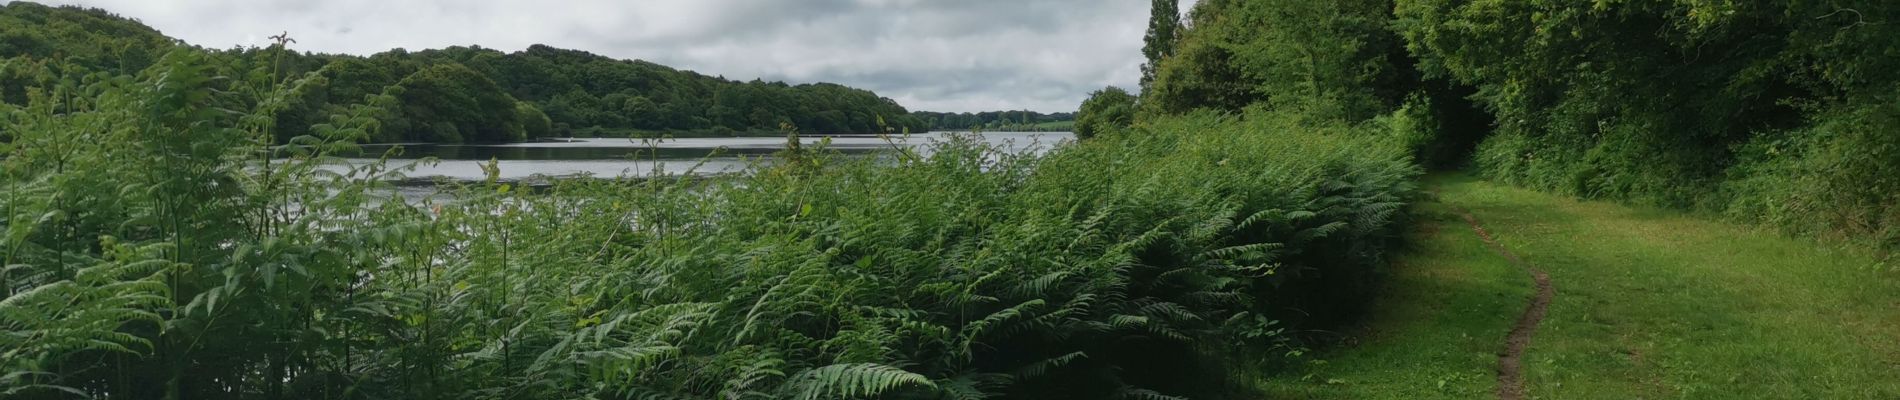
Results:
92 38
486 96
588 94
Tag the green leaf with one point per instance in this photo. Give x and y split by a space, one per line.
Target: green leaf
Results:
847 381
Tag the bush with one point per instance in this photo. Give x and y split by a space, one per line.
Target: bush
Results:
1104 110
1839 178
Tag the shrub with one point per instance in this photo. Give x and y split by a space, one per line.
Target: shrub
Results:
1106 109
1837 178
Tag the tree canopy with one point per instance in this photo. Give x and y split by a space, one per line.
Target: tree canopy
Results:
1778 111
1105 109
449 103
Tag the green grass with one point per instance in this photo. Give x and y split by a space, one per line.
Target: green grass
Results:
1649 304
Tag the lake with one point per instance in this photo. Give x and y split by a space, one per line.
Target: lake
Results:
608 158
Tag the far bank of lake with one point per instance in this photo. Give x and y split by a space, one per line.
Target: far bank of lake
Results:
619 157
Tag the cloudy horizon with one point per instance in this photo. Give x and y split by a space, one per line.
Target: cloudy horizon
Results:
956 56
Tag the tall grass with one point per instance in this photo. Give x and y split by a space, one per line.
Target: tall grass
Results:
154 251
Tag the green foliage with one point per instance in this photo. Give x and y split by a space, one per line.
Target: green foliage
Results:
85 36
1007 121
158 246
154 246
1200 75
534 123
1437 125
1106 109
1836 177
1330 60
1164 28
580 90
1718 106
449 103
79 316
850 381
1695 104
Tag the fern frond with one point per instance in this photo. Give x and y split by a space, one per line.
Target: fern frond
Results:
1131 393
846 381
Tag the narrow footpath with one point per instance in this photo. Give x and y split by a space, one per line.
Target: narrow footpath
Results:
1511 361
1654 304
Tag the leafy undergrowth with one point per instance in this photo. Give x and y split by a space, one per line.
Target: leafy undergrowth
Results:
156 249
1649 304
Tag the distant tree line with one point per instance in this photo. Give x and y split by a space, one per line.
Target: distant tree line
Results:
470 94
1021 121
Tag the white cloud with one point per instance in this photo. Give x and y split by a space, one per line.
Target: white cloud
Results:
940 55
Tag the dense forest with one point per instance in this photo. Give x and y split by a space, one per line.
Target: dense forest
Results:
173 227
468 94
1781 112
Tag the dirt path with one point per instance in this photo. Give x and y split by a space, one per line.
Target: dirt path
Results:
1510 362
1655 304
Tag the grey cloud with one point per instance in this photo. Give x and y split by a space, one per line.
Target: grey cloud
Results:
940 55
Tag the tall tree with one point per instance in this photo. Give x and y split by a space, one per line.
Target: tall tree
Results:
1164 21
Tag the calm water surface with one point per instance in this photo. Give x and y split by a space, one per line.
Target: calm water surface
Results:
607 158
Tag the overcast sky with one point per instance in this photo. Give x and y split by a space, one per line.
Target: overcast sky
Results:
938 55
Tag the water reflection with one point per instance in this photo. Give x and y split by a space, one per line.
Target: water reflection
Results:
633 157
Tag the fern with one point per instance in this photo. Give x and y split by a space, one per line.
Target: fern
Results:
152 221
1040 368
845 381
1144 394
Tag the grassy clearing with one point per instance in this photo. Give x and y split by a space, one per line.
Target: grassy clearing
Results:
1650 304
